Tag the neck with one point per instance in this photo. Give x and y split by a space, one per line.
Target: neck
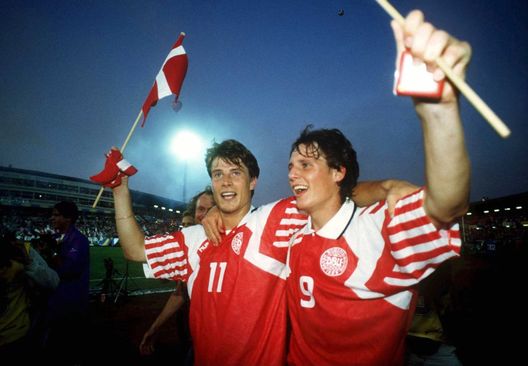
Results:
320 216
62 230
232 219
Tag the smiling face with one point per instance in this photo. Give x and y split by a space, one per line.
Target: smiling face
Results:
232 188
314 184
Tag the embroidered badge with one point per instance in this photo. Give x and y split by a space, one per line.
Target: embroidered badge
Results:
236 243
334 261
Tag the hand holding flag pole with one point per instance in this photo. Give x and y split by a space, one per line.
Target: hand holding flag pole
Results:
486 112
168 81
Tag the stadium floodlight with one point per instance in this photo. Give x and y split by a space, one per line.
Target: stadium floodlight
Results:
186 145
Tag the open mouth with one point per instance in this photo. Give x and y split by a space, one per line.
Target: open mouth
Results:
228 195
299 188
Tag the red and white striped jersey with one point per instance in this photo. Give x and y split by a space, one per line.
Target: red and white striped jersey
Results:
238 300
349 295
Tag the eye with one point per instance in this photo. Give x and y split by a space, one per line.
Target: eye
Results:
217 175
236 173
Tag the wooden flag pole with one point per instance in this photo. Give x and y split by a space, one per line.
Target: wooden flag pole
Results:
486 112
130 133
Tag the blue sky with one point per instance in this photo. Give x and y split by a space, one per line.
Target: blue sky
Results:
75 74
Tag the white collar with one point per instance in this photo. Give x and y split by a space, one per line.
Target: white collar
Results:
335 227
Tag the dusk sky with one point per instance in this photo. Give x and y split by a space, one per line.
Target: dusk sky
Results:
75 75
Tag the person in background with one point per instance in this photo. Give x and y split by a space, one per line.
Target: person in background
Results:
25 279
14 301
68 304
428 339
187 219
200 204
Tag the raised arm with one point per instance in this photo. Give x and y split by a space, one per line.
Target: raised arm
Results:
131 237
447 168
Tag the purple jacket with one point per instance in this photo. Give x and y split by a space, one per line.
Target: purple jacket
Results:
71 298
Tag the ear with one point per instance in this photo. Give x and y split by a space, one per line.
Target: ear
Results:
339 174
253 183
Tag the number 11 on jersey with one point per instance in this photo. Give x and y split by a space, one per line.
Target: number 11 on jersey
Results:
212 276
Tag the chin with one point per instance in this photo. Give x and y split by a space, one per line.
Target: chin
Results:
300 204
229 207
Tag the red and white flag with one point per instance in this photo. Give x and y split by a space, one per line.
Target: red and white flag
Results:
170 78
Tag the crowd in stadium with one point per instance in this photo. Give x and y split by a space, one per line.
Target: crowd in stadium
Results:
98 228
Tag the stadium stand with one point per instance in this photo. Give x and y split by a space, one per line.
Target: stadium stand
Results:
27 196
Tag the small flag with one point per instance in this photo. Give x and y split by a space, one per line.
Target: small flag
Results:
170 78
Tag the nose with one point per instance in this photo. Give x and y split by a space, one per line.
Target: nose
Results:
292 174
226 180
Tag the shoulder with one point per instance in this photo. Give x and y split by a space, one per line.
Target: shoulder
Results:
283 207
413 205
403 205
193 233
76 235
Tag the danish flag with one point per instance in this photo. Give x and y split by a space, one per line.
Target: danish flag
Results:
170 78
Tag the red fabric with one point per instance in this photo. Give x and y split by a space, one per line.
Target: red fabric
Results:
111 175
173 71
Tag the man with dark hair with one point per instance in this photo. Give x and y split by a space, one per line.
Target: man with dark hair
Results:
350 291
336 149
68 210
68 304
235 153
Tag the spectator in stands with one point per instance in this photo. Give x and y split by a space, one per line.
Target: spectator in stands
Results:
187 219
68 305
197 208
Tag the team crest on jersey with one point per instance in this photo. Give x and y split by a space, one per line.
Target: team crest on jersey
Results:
236 243
334 261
